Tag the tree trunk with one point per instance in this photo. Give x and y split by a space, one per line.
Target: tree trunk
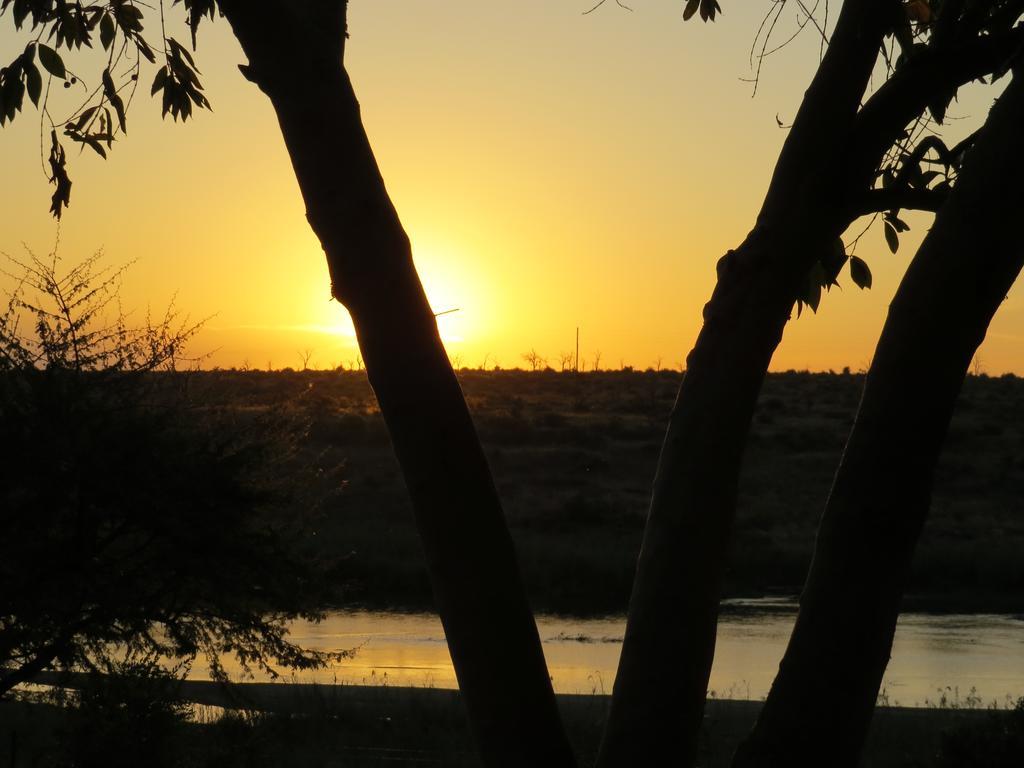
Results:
820 705
661 684
295 53
12 677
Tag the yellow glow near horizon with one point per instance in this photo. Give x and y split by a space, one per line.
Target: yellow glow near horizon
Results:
553 171
460 317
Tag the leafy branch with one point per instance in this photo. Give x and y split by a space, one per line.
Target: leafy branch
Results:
63 27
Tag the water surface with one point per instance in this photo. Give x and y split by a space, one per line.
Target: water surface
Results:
933 655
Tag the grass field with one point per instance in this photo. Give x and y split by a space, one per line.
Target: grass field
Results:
574 455
355 726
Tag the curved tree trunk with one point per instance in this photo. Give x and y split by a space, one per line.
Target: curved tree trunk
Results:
295 52
661 684
820 705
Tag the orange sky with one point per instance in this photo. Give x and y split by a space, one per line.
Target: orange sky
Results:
553 170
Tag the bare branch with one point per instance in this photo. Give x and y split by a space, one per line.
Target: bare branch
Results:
602 2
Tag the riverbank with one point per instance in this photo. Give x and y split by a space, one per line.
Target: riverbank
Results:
574 455
307 725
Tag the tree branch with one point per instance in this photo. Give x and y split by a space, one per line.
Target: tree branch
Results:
927 75
823 124
880 200
15 676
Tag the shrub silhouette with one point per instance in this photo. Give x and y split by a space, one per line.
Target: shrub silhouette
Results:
995 742
134 526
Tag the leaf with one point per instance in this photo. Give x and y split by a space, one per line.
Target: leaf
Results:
158 81
812 292
692 7
181 50
832 263
199 99
52 62
937 107
860 273
20 12
59 177
817 275
129 18
33 82
143 47
897 222
196 10
84 118
107 31
110 91
891 238
168 97
13 95
108 83
93 142
708 9
107 124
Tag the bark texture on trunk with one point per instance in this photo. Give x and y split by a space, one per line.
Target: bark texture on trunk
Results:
295 52
820 706
661 684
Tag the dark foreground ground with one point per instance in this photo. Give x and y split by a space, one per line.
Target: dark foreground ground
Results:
574 455
355 726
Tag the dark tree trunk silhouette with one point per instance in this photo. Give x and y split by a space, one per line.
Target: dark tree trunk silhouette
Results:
821 183
295 52
820 705
661 684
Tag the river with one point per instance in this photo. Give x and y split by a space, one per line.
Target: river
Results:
934 655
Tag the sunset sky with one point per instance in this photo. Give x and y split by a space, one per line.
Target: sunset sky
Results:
553 170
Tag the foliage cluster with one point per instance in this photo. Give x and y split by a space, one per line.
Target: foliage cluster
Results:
135 526
99 117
